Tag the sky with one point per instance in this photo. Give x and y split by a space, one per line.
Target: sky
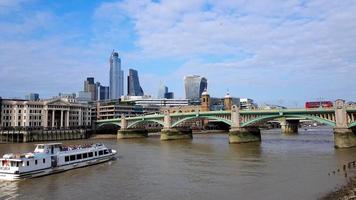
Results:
281 52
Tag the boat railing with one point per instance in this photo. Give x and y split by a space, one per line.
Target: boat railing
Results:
76 147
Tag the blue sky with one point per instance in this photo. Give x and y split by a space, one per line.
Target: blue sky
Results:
274 51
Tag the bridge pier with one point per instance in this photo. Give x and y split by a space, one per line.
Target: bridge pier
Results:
244 135
344 137
131 133
289 126
176 133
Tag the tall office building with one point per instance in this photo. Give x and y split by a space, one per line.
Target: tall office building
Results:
116 77
162 90
133 84
194 86
33 97
90 86
169 95
103 92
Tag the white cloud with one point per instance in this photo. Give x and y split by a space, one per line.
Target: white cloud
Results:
312 41
250 47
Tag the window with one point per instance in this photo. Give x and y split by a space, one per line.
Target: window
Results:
28 163
44 160
85 155
96 153
79 156
35 162
72 157
100 153
90 154
106 151
66 159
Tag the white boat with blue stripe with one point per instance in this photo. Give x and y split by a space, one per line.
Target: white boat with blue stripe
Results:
52 158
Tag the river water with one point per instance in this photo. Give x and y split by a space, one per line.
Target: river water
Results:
207 167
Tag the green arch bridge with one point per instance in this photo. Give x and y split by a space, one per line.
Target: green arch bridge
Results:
244 123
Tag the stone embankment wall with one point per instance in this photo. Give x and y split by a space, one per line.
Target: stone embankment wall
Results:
9 136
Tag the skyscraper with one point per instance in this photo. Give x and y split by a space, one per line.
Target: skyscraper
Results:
169 95
90 86
116 77
103 92
194 86
133 84
162 90
33 97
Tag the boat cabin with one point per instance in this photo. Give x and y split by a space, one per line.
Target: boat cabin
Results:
51 148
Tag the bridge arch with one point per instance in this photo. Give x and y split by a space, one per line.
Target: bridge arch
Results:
270 117
352 125
99 125
145 120
228 122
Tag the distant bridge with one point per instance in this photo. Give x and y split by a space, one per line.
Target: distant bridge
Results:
242 122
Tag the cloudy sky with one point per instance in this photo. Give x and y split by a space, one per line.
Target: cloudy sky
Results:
274 51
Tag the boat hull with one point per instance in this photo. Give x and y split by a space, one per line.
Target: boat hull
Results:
54 170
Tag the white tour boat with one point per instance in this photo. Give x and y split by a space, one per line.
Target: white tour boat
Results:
52 158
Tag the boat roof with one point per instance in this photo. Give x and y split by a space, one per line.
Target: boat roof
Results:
50 144
12 159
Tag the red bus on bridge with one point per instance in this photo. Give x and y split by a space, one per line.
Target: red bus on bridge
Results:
318 104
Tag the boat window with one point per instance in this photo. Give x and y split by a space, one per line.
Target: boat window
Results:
96 153
79 156
90 154
17 164
106 151
13 164
28 163
66 159
40 146
44 160
100 153
35 162
85 155
72 157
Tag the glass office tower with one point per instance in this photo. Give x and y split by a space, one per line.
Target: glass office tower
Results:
116 77
133 84
194 86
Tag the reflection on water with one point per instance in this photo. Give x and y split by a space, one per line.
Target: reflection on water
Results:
207 167
8 190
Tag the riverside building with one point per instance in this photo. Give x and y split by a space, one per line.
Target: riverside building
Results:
54 113
149 101
111 109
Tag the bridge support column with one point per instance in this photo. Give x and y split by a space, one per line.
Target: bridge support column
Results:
176 134
132 133
244 134
169 133
289 126
344 137
125 133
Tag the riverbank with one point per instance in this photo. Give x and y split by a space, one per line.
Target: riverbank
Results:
346 192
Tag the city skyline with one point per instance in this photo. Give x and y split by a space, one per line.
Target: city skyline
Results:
281 52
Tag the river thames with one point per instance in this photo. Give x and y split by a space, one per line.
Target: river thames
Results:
207 167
